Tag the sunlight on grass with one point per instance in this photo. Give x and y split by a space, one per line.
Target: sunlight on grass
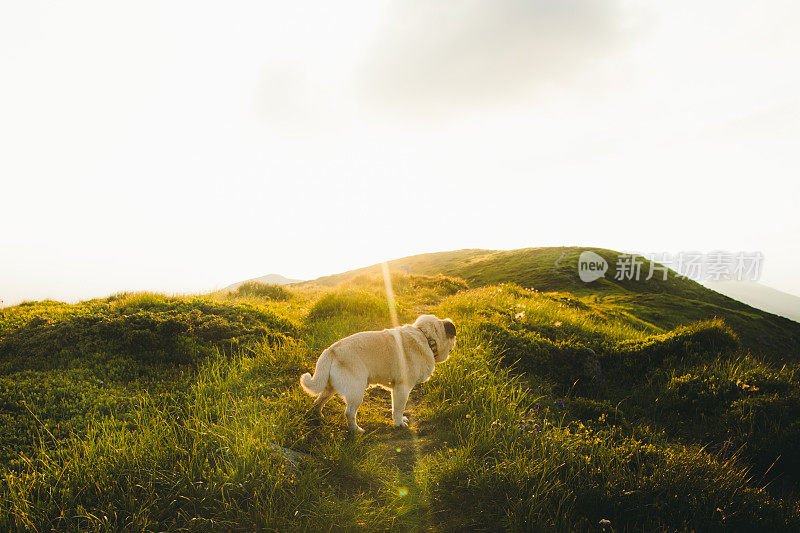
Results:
403 491
556 410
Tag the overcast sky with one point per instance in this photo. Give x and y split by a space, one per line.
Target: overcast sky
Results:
182 146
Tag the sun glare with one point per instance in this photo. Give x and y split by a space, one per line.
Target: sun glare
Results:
387 281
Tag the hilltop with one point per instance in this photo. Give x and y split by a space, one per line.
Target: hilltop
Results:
271 279
654 406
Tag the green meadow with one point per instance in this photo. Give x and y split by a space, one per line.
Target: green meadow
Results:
615 405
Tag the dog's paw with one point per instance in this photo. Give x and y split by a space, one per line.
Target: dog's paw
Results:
358 429
405 420
403 424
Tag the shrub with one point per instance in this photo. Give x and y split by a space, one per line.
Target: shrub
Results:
504 473
571 366
439 285
341 313
633 357
348 302
257 289
50 406
738 404
412 289
148 328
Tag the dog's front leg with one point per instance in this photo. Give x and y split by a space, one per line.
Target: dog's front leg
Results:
400 394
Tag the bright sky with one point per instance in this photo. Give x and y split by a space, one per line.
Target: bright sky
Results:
182 146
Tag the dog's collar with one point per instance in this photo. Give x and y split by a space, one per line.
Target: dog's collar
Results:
431 343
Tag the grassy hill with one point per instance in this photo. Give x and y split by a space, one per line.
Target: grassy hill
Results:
269 279
564 404
663 303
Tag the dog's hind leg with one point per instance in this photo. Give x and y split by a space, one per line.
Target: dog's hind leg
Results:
353 403
321 400
350 384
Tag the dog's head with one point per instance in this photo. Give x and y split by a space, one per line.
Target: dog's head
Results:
441 331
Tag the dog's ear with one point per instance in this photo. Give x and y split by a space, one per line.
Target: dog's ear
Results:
449 328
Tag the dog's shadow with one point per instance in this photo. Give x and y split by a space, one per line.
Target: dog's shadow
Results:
376 420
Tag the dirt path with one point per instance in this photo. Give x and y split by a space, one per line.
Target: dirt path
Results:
403 450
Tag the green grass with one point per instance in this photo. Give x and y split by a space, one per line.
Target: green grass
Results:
511 471
257 289
656 302
61 365
205 461
142 412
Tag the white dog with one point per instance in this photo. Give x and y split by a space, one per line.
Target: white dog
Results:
395 359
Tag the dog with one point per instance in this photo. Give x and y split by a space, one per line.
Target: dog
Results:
395 359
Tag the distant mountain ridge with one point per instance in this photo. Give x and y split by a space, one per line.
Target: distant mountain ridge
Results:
760 296
273 279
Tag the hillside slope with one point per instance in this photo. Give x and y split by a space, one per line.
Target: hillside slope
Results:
663 303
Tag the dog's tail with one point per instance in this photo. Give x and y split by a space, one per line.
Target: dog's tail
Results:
317 384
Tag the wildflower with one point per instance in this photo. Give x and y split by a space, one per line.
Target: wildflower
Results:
520 315
745 387
557 324
604 523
